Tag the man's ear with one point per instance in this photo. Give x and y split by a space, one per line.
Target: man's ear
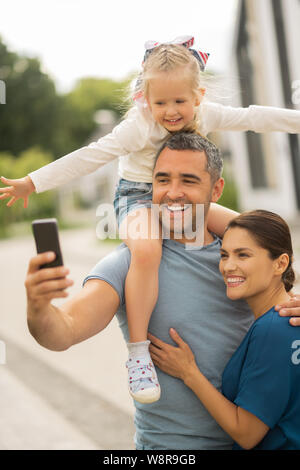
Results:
217 190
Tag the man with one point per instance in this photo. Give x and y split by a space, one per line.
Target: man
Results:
191 299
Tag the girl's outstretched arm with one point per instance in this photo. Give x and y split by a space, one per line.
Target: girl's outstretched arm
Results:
17 189
254 118
219 217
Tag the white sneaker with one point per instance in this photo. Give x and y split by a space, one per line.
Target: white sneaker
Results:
142 379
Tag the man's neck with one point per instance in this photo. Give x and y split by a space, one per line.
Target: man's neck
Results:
202 241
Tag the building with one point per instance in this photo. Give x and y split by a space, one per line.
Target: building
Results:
267 64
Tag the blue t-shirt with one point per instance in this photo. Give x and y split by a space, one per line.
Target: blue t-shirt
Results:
263 377
192 299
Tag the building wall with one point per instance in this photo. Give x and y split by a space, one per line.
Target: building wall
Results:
267 180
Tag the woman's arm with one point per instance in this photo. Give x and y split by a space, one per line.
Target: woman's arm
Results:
244 427
219 217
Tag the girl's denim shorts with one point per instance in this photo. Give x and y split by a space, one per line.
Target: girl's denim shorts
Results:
129 196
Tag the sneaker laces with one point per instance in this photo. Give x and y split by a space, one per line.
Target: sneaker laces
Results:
141 373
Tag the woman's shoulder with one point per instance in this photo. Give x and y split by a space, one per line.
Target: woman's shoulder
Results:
272 329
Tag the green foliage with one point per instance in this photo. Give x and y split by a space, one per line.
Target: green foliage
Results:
81 104
36 115
40 205
229 197
31 113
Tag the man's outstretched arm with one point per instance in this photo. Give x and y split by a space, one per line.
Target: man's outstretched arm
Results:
84 315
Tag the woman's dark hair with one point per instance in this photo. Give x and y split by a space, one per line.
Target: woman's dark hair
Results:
272 233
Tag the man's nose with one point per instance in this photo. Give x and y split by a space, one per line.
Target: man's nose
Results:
175 191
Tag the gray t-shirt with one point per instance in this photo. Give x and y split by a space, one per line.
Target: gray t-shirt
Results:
192 299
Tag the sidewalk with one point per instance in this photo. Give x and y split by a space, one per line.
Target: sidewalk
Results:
72 399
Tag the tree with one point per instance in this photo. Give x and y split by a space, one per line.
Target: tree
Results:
30 115
36 115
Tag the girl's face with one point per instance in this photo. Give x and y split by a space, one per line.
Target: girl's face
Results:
171 100
246 267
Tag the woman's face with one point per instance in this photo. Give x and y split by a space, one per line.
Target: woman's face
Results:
247 268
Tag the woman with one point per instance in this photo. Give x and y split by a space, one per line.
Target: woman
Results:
260 404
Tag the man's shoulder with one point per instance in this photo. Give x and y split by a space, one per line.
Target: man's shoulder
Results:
112 269
115 263
119 257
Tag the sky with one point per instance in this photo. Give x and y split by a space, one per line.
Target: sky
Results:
105 39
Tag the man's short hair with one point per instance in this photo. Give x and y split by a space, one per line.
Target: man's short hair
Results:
192 141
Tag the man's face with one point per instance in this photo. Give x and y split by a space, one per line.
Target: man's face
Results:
180 183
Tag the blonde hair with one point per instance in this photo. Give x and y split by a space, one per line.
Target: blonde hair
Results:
169 58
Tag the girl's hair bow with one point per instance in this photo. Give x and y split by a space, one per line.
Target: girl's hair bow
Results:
186 41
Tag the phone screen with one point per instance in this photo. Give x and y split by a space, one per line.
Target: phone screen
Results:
46 239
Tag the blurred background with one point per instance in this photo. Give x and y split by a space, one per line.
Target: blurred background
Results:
65 69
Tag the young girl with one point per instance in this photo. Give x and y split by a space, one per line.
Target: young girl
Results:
260 404
169 98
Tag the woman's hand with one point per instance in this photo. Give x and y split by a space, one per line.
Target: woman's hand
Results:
177 361
17 189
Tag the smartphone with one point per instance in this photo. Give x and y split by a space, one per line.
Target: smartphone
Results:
46 237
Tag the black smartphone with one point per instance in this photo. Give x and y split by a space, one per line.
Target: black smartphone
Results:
46 237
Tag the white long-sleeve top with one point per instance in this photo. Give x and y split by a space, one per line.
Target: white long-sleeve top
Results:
138 137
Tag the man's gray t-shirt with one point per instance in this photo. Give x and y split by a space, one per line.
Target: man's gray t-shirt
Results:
192 299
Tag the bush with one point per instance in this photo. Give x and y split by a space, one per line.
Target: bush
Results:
229 197
40 205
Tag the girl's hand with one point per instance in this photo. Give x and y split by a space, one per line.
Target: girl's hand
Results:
17 189
177 361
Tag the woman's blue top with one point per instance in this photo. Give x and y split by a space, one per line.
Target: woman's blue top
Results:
263 377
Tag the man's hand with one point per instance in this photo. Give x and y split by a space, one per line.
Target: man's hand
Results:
291 309
43 285
85 314
47 324
17 189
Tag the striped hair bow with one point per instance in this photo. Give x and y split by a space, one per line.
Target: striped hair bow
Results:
186 41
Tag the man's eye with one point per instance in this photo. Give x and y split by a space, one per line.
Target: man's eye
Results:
189 181
159 103
180 101
243 255
223 255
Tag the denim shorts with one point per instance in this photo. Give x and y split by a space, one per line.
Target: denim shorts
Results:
129 196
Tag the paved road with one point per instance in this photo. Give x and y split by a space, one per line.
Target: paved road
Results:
76 399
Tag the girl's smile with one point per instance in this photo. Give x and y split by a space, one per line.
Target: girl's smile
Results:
171 100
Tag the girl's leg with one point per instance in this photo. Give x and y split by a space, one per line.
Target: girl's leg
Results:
141 292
